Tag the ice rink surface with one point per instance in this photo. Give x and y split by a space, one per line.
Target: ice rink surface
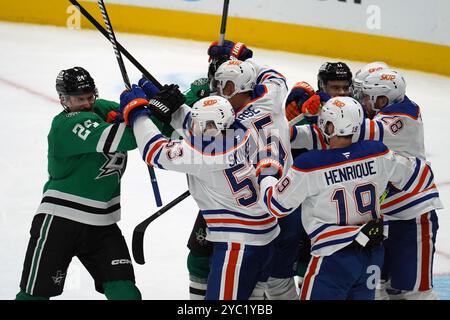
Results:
30 58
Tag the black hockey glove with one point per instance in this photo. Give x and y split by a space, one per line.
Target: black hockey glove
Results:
371 234
166 102
213 66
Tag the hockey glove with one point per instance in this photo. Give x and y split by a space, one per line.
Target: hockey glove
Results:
214 64
268 167
166 102
114 117
229 49
301 92
371 234
149 88
132 104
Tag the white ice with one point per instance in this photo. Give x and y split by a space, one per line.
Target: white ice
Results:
30 58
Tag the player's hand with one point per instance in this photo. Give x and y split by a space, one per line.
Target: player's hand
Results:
300 93
268 167
371 234
114 117
149 87
229 49
166 102
311 106
133 103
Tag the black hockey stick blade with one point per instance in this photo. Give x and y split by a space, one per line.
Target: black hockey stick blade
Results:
139 231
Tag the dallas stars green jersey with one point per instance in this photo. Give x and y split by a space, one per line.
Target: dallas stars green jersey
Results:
86 159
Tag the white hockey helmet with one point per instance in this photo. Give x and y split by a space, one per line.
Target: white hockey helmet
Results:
362 74
386 82
345 113
211 115
241 73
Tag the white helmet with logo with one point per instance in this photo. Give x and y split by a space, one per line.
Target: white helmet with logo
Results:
241 73
345 113
362 74
211 115
386 82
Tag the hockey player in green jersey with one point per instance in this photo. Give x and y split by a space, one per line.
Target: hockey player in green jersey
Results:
80 206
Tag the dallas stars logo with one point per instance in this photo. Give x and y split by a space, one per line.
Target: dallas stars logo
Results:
59 277
115 164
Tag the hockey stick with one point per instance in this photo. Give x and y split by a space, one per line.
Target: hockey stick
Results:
223 25
139 230
112 39
103 31
138 233
126 80
298 118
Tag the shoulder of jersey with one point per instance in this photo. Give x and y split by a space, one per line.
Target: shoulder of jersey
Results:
406 107
321 159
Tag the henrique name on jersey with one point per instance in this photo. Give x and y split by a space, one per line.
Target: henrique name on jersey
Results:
351 172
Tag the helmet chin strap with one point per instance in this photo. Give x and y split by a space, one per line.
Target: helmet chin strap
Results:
63 100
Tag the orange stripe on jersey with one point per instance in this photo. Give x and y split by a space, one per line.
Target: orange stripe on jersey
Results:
243 222
404 197
425 243
153 150
371 130
321 138
311 272
231 271
341 163
425 263
269 199
422 179
335 232
399 114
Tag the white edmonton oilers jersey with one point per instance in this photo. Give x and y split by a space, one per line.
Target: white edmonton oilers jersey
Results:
265 113
221 178
398 126
339 190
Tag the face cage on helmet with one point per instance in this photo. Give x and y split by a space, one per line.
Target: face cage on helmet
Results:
200 128
356 91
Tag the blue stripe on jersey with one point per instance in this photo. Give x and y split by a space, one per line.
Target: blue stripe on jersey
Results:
333 242
294 133
258 80
381 130
412 203
186 119
406 106
258 91
241 230
430 179
156 159
362 130
279 206
314 137
414 176
319 230
237 214
322 158
148 144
